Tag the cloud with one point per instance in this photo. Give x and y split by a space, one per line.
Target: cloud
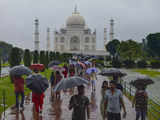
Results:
133 18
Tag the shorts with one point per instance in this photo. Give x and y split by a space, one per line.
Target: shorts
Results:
93 82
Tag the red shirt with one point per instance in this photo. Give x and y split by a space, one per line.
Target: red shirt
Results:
65 73
18 84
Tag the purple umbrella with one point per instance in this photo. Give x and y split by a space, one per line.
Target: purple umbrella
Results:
91 70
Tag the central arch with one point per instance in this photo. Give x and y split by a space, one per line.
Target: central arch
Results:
75 43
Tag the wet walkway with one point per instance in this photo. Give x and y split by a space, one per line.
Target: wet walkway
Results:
58 110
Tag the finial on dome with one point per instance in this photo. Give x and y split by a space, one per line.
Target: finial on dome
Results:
75 10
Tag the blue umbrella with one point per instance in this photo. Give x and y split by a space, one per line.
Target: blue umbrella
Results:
91 70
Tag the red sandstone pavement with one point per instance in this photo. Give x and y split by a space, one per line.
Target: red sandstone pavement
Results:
58 110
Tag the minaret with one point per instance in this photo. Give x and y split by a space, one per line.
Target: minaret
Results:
48 40
105 37
36 35
111 29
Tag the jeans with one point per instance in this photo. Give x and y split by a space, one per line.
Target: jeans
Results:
17 99
140 113
113 116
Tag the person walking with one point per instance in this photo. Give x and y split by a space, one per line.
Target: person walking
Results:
140 102
65 72
58 78
19 91
38 100
103 91
93 79
113 100
80 105
52 80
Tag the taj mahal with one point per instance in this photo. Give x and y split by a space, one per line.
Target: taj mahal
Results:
75 37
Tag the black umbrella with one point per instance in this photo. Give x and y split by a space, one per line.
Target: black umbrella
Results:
53 63
141 81
37 83
20 70
112 72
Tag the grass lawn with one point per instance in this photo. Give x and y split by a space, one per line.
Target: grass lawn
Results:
151 73
6 64
7 86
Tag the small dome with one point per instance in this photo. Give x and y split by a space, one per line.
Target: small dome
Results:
75 19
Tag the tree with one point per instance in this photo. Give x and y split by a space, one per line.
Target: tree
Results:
47 59
0 66
27 58
15 57
130 50
153 43
112 46
36 57
42 57
5 50
51 56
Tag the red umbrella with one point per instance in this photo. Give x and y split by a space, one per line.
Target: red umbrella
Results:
82 64
37 67
58 68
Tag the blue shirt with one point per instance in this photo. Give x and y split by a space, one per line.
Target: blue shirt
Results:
113 105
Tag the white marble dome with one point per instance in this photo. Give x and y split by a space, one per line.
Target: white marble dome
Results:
75 19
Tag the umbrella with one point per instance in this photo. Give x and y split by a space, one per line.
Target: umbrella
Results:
51 64
58 68
141 80
20 70
37 67
82 64
70 83
90 70
112 72
87 63
37 83
71 62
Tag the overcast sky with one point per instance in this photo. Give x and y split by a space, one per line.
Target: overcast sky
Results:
133 18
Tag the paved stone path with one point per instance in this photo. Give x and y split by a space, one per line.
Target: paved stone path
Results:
58 110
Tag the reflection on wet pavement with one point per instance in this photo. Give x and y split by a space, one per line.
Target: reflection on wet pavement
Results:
58 109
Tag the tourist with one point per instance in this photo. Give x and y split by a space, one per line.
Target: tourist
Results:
37 99
93 79
19 91
104 87
71 70
58 78
65 72
52 80
103 91
140 102
118 84
80 105
113 99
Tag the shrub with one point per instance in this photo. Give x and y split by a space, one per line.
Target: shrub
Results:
116 63
155 64
141 64
129 63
